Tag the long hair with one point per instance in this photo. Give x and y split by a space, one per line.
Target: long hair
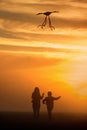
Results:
36 93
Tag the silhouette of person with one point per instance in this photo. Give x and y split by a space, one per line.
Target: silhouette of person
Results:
49 101
36 97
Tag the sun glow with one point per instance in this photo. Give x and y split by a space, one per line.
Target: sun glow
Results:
54 60
44 44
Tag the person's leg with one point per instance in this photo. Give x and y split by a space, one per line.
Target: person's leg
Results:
49 114
38 112
34 111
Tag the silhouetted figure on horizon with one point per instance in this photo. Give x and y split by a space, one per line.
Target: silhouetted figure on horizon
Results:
36 97
49 101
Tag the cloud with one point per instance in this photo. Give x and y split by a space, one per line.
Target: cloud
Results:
19 21
82 88
82 85
3 1
71 23
9 34
63 1
21 1
39 37
35 48
23 17
17 61
80 1
15 23
60 19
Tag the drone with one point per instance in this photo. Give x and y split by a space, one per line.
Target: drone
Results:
47 17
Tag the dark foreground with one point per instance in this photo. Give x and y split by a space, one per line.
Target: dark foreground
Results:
24 120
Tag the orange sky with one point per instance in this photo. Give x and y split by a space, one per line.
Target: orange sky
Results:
52 59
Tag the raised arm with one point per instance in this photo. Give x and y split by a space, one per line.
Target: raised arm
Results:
44 101
42 96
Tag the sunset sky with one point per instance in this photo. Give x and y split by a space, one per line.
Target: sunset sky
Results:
53 60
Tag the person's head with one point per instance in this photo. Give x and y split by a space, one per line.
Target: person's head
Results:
36 90
49 93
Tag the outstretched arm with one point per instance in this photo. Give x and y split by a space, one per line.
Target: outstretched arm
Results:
56 98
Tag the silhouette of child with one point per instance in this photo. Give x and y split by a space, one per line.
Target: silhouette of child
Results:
49 101
36 97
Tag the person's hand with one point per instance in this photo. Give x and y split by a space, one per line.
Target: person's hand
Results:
43 102
59 96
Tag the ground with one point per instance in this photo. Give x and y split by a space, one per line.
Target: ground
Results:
59 121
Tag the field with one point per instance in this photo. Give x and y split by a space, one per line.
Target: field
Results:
59 121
